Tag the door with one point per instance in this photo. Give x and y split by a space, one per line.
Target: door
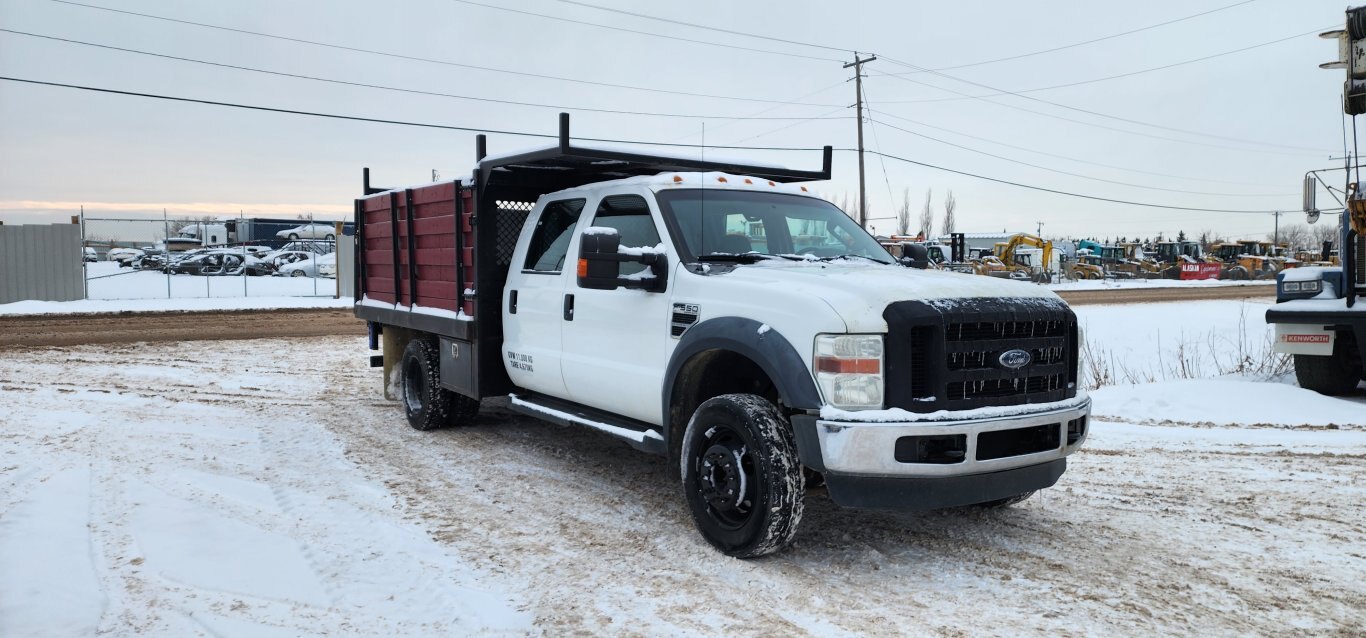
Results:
615 345
533 300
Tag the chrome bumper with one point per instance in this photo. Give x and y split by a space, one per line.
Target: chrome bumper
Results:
868 448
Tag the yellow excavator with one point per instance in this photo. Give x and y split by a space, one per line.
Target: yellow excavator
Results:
1027 257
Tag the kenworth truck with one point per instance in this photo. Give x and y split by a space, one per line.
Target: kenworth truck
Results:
726 317
1317 315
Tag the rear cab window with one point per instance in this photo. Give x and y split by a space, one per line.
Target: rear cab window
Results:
550 240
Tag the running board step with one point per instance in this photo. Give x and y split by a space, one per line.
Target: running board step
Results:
639 434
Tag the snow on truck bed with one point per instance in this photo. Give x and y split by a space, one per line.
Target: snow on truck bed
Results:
202 489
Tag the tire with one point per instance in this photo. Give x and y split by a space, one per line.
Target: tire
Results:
1004 502
330 237
298 272
293 236
741 476
1336 375
425 403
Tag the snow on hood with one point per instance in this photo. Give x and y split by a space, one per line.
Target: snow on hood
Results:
860 291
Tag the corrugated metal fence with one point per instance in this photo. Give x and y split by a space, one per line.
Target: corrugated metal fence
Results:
41 262
346 266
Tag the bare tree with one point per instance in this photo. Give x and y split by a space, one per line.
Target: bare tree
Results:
950 205
927 216
1322 232
903 214
1295 236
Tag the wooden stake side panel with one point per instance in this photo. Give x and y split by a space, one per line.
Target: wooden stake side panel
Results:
433 249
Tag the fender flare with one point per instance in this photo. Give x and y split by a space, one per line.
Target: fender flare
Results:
768 349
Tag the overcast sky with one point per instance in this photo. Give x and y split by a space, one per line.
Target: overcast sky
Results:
1232 132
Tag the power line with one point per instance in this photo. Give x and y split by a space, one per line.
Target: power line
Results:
1063 157
1066 193
355 118
1091 41
913 67
431 60
645 33
1072 108
392 88
1098 125
1114 77
617 141
1079 175
708 28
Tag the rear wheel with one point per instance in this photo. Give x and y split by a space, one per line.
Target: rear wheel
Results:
1335 375
428 405
329 237
741 475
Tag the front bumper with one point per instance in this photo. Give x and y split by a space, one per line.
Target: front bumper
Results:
859 458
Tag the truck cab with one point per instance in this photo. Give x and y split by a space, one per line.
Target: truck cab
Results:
724 316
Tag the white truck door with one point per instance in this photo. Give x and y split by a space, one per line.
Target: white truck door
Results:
615 341
533 300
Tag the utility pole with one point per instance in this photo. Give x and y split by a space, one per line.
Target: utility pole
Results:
1039 232
858 105
1276 237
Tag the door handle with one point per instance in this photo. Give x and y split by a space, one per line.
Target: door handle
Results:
569 307
512 302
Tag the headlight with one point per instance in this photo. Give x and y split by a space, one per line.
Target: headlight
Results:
848 370
1309 286
1291 286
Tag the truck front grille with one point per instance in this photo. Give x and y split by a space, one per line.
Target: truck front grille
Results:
980 353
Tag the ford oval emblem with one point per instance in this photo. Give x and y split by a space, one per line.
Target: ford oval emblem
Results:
1015 359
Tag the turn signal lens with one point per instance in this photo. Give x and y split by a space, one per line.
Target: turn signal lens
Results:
848 370
583 267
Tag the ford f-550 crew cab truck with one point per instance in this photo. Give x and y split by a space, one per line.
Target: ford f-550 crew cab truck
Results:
723 315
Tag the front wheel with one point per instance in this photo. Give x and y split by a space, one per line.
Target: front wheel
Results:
330 237
741 475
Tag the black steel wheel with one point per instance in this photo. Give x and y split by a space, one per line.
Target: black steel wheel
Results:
741 475
424 401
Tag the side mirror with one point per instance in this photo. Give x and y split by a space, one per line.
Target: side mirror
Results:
915 256
599 257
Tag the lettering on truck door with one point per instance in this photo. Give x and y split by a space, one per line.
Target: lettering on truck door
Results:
533 298
615 346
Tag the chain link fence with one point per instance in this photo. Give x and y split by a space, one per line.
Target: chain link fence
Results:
210 257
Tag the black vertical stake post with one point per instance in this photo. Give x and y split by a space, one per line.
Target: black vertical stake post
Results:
459 247
481 147
393 240
412 246
365 181
358 261
564 132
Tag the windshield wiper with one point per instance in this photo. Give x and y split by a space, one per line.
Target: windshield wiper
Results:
849 256
741 258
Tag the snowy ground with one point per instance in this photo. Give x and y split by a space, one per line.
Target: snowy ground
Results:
202 489
1144 284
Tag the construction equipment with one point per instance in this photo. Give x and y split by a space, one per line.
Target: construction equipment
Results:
1172 255
1126 261
1031 256
1084 266
1247 259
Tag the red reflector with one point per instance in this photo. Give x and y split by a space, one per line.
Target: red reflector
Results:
849 366
583 267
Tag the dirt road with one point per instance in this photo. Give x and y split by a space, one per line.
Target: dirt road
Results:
65 330
1176 529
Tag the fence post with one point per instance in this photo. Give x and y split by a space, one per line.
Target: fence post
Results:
85 268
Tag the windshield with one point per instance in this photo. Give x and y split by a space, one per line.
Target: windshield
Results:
723 223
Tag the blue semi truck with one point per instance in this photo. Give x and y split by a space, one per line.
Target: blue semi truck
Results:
1318 316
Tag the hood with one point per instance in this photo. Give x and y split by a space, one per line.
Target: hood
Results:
860 291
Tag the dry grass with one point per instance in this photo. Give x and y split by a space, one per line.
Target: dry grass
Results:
1215 355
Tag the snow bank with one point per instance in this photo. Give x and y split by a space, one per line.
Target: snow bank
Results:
93 306
1226 401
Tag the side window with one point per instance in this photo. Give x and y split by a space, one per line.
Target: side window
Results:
630 216
550 240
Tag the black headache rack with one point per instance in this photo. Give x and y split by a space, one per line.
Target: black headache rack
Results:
505 189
